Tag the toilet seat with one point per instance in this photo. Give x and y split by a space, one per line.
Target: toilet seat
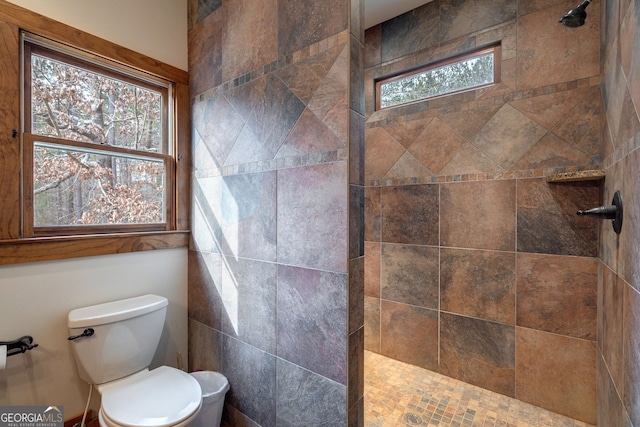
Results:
162 397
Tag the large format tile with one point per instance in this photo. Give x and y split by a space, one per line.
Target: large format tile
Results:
548 52
372 323
410 32
219 126
372 214
479 215
312 216
372 269
304 77
478 352
381 152
557 373
312 309
307 399
459 18
248 215
249 37
252 380
610 411
631 347
249 301
436 145
409 334
205 347
507 136
205 288
410 214
409 274
205 53
301 24
558 294
547 220
629 243
478 284
611 336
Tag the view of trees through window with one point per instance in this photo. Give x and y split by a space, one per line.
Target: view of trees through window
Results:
463 74
122 179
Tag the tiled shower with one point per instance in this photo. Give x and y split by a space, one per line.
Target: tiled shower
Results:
476 267
473 264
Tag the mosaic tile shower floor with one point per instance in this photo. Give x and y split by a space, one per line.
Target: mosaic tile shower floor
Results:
398 394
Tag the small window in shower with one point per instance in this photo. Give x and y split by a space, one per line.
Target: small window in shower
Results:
464 72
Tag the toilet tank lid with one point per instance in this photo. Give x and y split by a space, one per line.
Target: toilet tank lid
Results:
115 311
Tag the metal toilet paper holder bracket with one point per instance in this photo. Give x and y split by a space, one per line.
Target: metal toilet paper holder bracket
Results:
19 346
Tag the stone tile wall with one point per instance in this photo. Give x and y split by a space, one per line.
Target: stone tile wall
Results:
619 285
277 257
475 266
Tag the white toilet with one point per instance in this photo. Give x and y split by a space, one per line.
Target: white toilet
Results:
114 344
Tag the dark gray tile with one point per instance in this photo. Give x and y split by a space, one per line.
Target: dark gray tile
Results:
356 294
410 32
409 274
462 17
312 320
356 85
410 214
252 379
205 348
356 221
308 399
547 220
304 23
372 214
478 352
356 366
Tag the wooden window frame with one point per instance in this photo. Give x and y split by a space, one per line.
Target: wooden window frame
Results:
15 245
497 60
33 46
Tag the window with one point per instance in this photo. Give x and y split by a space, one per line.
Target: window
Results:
97 146
469 71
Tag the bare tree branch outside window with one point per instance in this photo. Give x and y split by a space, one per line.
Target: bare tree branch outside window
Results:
73 185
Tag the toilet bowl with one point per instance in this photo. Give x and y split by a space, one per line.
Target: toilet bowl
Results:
113 344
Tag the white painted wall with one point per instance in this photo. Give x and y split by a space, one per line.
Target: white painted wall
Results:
36 298
156 28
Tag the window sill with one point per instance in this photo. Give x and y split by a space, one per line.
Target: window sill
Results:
58 248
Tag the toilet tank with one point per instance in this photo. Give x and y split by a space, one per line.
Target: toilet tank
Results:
125 338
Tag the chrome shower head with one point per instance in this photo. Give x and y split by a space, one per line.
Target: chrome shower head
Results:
575 17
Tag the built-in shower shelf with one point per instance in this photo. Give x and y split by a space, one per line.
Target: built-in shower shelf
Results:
590 175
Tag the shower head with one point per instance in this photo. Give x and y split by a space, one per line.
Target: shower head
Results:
575 17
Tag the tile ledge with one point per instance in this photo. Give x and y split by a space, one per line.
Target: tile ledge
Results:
587 175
